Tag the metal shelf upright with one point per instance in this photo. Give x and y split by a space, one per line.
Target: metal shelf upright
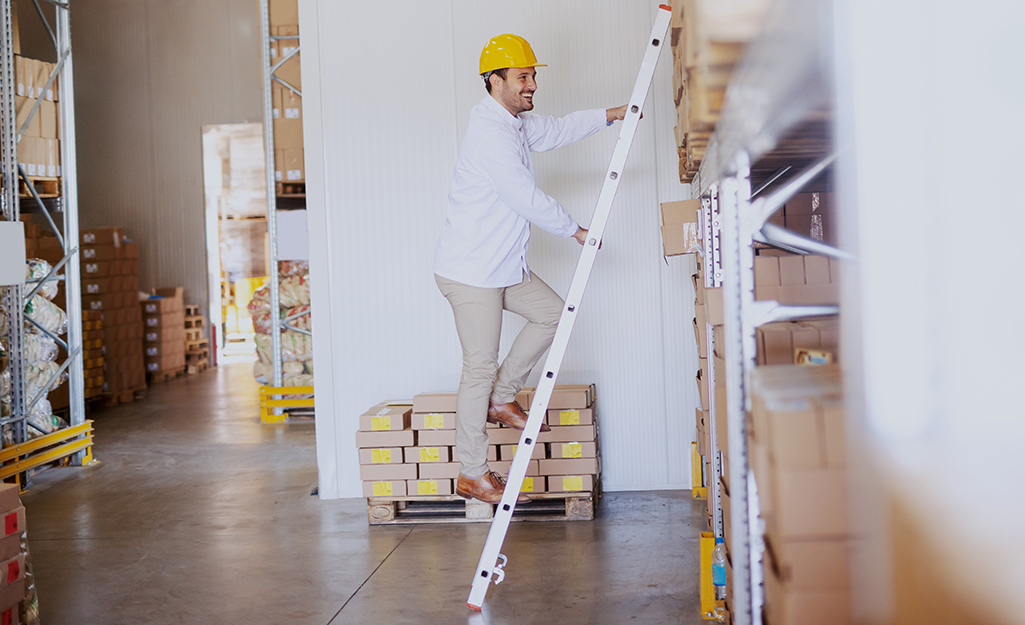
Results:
74 441
272 401
776 120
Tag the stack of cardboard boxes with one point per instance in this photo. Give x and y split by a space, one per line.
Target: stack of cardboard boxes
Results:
797 450
110 286
287 104
39 148
164 319
409 450
12 557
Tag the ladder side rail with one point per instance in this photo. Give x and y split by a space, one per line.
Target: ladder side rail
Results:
488 567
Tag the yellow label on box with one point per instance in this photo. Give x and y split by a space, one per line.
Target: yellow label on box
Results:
382 489
427 487
430 454
380 423
528 485
434 421
569 417
572 450
573 482
378 456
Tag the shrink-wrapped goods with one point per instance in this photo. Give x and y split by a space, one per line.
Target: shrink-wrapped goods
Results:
296 346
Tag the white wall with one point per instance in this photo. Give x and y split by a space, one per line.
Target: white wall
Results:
149 75
387 95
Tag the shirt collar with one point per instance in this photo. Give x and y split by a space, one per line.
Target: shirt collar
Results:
496 107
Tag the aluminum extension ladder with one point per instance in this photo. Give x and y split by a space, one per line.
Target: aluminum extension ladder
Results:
489 569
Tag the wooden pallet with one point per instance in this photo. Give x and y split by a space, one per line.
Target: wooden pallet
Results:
193 310
198 367
45 187
455 509
193 334
194 321
157 377
126 396
195 347
291 189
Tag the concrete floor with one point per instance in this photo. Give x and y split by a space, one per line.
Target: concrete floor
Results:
197 513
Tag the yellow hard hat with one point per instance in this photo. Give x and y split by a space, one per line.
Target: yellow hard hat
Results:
507 51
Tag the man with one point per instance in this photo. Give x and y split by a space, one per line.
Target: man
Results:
481 261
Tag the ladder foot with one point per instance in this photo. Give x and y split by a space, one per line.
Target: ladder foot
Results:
475 608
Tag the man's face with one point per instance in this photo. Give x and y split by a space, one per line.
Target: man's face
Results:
516 92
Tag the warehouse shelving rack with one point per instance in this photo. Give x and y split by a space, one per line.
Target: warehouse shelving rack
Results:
775 121
75 441
276 398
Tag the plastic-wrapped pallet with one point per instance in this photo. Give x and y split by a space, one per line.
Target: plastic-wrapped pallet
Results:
296 347
40 351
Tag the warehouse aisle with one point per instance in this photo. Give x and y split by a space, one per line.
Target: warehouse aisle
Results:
199 514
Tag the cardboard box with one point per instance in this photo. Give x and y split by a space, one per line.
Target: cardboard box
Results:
97 286
295 169
381 455
385 488
439 470
508 452
387 472
796 279
504 436
789 606
502 467
283 12
288 133
101 252
9 498
569 396
572 450
132 253
159 350
532 484
165 320
47 115
701 330
574 466
279 164
155 335
414 455
101 236
14 521
779 343
680 233
570 483
23 106
571 416
433 420
569 434
435 438
24 77
434 402
702 381
714 306
99 269
384 417
429 487
811 565
401 438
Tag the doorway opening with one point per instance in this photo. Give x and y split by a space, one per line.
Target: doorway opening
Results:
235 191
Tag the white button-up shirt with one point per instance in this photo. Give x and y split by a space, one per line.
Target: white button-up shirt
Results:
494 197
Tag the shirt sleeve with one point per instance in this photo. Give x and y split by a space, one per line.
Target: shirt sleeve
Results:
500 161
545 132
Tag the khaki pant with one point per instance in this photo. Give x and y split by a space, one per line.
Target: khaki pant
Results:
478 314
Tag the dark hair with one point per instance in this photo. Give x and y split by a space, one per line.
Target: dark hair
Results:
487 76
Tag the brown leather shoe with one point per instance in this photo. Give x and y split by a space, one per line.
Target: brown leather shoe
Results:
511 414
487 488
